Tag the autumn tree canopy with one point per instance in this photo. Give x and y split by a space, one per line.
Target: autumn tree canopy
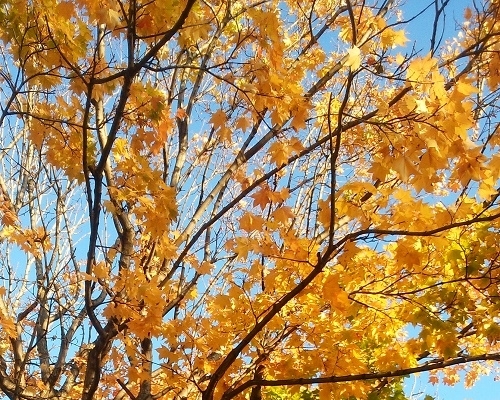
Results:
233 199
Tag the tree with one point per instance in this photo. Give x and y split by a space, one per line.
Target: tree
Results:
212 199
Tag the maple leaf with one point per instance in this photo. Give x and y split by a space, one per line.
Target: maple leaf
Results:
243 123
225 134
218 119
300 115
9 218
261 198
487 188
404 167
8 325
205 268
283 214
465 88
353 58
279 153
393 38
420 68
164 353
101 271
109 17
421 106
250 222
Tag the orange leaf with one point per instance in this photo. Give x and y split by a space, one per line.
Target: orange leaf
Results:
218 119
250 222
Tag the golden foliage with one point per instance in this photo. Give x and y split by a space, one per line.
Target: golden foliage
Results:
198 199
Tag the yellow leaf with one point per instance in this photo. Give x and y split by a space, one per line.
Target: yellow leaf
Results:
205 268
404 168
218 119
281 151
109 17
278 153
225 134
392 38
432 159
400 59
421 106
487 188
250 222
359 188
283 214
350 251
88 277
261 198
296 145
240 246
243 123
334 294
353 58
465 88
166 354
300 115
101 271
8 325
420 68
